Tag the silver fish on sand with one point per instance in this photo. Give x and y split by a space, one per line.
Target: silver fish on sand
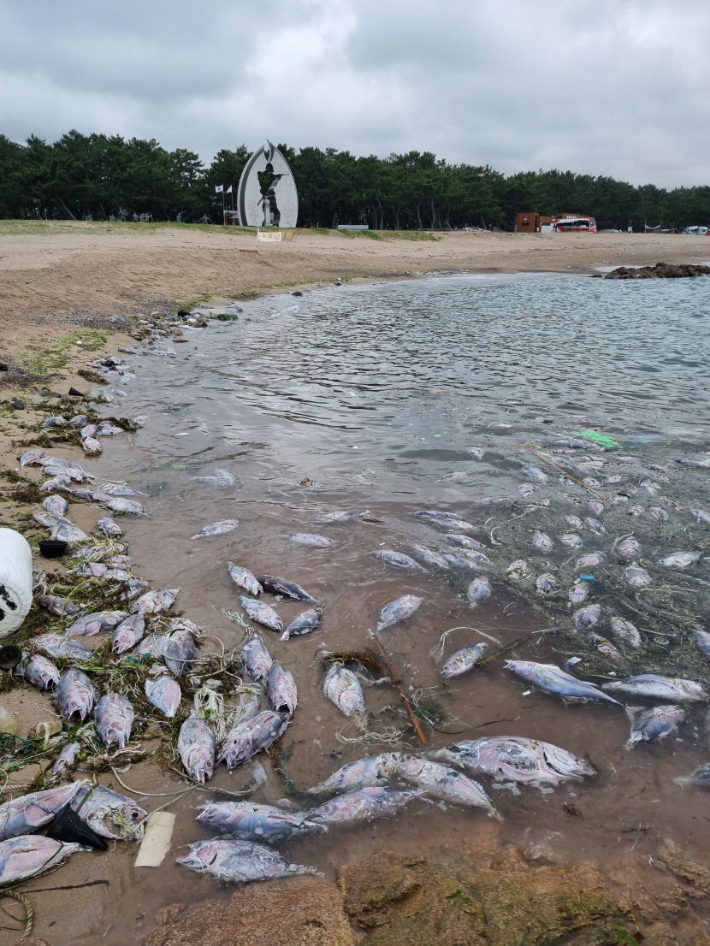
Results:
164 693
91 446
55 504
29 855
364 804
552 679
280 586
125 507
56 645
517 759
251 736
75 694
463 660
66 758
153 645
430 557
627 631
61 528
636 576
455 538
217 528
261 613
589 560
55 483
32 458
629 548
39 671
239 861
243 578
343 688
111 815
658 513
128 633
545 584
398 610
571 540
29 813
443 782
197 748
370 772
661 688
311 540
109 528
398 559
542 541
478 591
680 559
95 623
595 525
281 690
114 716
445 520
587 617
119 489
153 602
655 724
256 657
303 623
249 821
180 650
574 521
578 592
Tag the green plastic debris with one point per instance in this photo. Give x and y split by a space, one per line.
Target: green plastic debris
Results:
595 437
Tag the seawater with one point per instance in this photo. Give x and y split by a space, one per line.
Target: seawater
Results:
370 397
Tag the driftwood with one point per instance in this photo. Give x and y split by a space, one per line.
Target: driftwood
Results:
398 685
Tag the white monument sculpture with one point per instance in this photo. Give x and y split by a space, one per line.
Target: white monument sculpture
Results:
267 195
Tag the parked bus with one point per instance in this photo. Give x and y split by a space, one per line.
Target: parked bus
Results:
578 224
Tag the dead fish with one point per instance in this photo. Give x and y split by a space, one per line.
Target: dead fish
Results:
125 507
39 671
701 515
90 624
54 466
58 646
114 716
702 639
197 748
55 421
398 559
430 557
595 525
243 578
280 586
89 430
518 570
578 592
660 688
217 528
55 504
218 478
109 528
526 489
91 447
343 688
347 515
629 548
239 861
636 576
604 646
281 690
398 610
534 474
370 772
658 513
75 694
30 855
180 651
587 617
571 540
699 777
154 602
542 541
597 508
463 660
574 521
249 821
517 759
133 587
364 804
626 631
702 464
552 679
478 591
455 538
110 814
32 458
256 657
680 559
66 758
655 724
590 560
29 813
164 693
445 520
261 613
303 623
477 452
459 560
119 489
251 736
60 606
56 482
545 584
61 528
311 540
107 429
635 510
441 781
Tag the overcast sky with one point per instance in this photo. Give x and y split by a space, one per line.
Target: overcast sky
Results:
613 87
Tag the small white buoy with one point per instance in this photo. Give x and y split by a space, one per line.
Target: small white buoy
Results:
15 580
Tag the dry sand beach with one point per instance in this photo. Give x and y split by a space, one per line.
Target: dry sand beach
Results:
57 276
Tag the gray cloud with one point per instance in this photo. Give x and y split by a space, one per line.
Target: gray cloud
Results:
613 87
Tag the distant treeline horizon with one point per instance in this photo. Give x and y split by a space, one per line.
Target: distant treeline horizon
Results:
102 177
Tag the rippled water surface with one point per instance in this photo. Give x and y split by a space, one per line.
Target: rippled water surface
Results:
371 398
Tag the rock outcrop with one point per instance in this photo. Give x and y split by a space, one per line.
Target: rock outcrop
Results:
659 271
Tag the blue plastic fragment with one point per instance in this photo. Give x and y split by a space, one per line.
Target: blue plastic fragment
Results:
586 577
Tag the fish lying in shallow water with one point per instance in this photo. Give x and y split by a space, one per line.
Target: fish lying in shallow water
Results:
370 772
110 814
239 861
29 813
398 610
364 804
217 528
343 688
517 759
248 821
478 591
552 679
662 688
251 736
281 690
197 747
655 724
280 586
303 623
441 781
463 660
627 631
398 559
243 578
256 657
30 855
311 540
261 613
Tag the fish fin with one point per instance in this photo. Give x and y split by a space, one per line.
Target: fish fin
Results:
632 711
285 636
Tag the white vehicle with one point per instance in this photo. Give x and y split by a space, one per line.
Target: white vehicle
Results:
696 231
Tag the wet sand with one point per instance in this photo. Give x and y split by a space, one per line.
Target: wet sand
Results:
56 277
